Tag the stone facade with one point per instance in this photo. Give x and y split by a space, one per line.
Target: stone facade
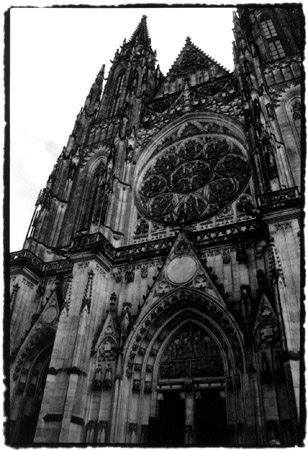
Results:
158 296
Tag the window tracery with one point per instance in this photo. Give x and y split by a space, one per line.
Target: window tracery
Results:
268 28
193 179
276 49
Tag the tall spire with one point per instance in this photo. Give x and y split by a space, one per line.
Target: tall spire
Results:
141 34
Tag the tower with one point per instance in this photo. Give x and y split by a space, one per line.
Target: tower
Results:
157 297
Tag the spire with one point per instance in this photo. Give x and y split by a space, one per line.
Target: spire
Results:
141 34
192 58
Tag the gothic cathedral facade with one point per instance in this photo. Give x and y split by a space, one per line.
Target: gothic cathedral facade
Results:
158 297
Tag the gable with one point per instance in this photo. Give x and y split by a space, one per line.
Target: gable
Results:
191 59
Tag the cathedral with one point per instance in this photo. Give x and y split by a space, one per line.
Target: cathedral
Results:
157 300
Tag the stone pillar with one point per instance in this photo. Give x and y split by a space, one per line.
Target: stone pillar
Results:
189 417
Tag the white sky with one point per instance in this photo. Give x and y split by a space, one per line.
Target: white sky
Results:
55 55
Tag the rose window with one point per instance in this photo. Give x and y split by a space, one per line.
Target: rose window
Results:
192 179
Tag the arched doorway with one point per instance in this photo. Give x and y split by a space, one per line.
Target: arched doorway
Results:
184 374
191 391
29 395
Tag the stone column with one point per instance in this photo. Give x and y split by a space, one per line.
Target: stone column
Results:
189 417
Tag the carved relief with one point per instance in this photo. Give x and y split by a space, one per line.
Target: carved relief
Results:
191 353
200 281
27 283
163 287
142 227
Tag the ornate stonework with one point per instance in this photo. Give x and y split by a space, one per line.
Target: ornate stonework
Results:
158 288
192 353
193 179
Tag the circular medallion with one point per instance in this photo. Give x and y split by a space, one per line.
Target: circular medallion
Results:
181 269
49 315
192 179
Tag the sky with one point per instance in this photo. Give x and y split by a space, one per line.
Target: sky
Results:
55 55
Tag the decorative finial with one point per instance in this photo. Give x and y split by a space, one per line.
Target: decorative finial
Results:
188 40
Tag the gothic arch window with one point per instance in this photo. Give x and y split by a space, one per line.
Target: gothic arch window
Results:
296 116
268 28
293 112
276 49
118 88
289 112
30 391
270 34
119 84
135 80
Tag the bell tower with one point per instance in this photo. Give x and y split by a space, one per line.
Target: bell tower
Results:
157 297
94 169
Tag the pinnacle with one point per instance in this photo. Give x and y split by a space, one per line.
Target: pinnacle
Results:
141 34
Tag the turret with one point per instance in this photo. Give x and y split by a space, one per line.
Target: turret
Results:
105 128
267 54
133 75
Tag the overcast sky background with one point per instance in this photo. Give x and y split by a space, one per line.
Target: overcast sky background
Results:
55 55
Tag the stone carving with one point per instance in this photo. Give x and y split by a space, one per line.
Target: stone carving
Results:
163 287
262 281
87 298
113 301
107 382
283 226
211 235
182 248
268 331
107 350
27 283
192 179
144 271
142 227
126 321
200 281
40 290
191 353
67 296
13 296
148 386
226 257
136 385
245 306
98 379
117 275
44 198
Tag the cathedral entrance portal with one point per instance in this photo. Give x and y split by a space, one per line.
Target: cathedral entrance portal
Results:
190 392
190 417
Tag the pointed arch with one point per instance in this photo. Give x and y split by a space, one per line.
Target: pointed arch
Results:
147 343
117 93
157 325
29 381
289 112
92 182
